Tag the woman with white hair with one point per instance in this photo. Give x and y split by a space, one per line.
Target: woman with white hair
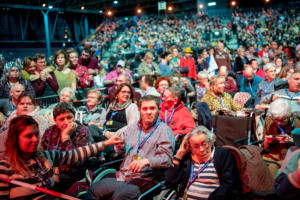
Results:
203 170
278 127
202 86
266 86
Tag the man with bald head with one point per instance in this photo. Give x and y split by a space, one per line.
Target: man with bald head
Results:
230 83
7 106
250 84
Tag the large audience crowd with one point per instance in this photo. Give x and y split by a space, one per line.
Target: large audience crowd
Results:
154 108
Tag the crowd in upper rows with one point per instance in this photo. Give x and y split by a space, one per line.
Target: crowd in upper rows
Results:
188 78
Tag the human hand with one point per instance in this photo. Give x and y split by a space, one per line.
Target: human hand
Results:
275 96
43 76
184 148
65 133
138 165
113 140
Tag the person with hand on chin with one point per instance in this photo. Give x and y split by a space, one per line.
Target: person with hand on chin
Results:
148 146
65 135
204 171
24 161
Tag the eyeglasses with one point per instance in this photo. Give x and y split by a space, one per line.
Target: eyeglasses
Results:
14 70
163 85
281 120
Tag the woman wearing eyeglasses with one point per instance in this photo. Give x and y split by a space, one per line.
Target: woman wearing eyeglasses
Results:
202 170
12 76
122 111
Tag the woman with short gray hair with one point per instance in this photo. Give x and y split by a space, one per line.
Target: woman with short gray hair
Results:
277 129
203 170
266 86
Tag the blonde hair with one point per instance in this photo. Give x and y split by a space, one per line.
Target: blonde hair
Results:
148 55
214 80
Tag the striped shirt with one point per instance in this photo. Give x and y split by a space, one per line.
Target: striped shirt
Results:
206 182
41 173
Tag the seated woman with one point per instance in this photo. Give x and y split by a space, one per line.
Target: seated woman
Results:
122 111
66 95
202 86
217 99
66 134
266 86
26 105
93 115
204 171
65 76
12 76
161 84
23 160
277 129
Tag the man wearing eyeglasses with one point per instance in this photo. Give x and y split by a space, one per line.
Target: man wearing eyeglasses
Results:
292 93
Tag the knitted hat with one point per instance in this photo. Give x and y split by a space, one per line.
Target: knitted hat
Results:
9 65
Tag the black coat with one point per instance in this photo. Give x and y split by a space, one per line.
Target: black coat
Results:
225 164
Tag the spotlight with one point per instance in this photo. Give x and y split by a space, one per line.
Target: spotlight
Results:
116 2
233 3
170 8
50 7
139 11
100 11
201 6
44 5
82 8
109 13
267 1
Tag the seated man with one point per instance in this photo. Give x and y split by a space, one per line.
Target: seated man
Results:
203 170
230 83
92 115
292 93
7 106
174 113
111 78
218 100
66 134
148 145
250 84
146 85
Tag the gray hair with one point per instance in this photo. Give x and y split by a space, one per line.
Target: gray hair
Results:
280 108
292 74
202 74
211 137
268 66
68 89
176 91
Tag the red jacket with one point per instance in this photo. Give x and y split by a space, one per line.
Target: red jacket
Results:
181 122
190 63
